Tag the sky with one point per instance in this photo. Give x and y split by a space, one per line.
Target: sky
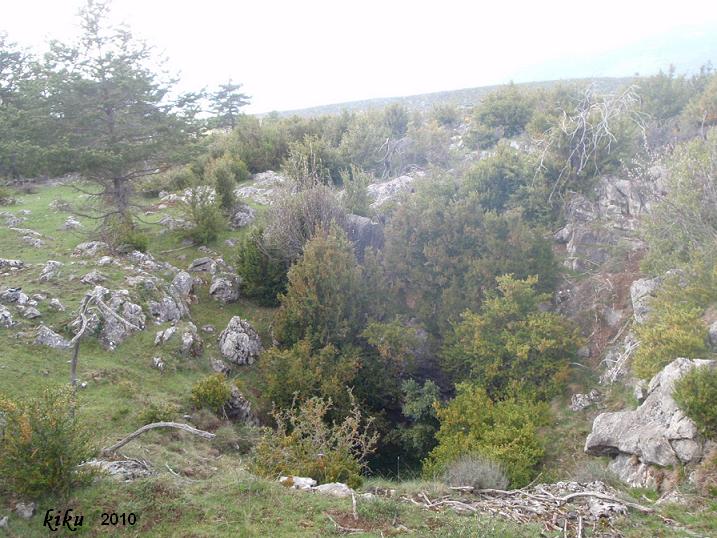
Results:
297 54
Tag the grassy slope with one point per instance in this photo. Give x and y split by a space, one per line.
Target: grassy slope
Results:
199 490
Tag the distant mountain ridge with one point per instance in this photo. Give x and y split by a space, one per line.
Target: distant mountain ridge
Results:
461 97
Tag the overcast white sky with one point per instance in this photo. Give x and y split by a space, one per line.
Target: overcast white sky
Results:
294 54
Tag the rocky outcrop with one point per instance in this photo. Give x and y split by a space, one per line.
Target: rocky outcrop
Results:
90 248
242 216
5 317
166 309
48 337
225 287
202 265
238 408
597 225
265 187
239 342
116 318
390 190
364 233
641 292
183 283
14 296
50 271
6 263
94 277
656 433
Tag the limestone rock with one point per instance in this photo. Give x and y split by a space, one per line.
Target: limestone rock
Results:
239 342
51 270
238 408
334 489
165 335
166 309
34 242
219 366
31 313
389 190
158 363
90 248
6 263
115 329
713 334
201 265
56 305
243 216
14 296
5 317
364 233
94 277
25 510
72 223
183 282
125 470
641 292
297 482
48 337
265 187
225 287
656 433
192 344
578 402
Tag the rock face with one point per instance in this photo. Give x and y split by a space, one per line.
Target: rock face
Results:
239 342
48 337
656 433
364 233
183 283
238 408
596 228
225 287
50 271
389 190
265 188
243 216
641 292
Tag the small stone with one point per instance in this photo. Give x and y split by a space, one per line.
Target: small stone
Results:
334 489
158 363
202 265
48 337
208 328
31 313
56 305
105 260
25 510
93 277
72 223
297 482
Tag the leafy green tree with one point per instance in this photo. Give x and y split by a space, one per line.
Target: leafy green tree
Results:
115 110
505 432
419 408
443 251
508 109
300 372
511 347
324 298
263 274
226 104
499 177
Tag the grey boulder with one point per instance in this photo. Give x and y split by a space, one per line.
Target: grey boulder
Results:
239 342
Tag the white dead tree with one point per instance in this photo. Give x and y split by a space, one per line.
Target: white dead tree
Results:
585 136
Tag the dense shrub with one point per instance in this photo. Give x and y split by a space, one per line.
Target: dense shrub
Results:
157 412
303 444
295 217
681 229
42 443
497 179
263 274
6 197
505 432
355 198
446 115
696 394
511 346
211 392
705 475
673 330
477 472
123 234
323 301
418 436
312 161
205 215
300 373
223 173
443 252
508 109
395 118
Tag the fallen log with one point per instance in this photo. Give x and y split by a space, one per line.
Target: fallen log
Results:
155 425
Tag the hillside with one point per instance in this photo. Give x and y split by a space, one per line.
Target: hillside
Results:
466 97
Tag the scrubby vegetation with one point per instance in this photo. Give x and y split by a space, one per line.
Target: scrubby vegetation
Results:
402 329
